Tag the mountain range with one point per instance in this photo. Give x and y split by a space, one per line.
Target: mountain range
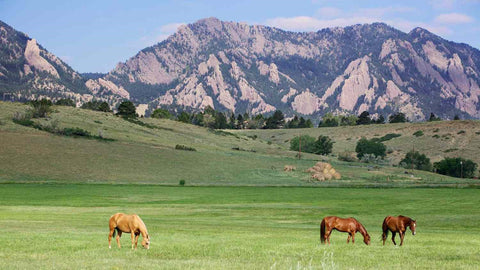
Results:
240 68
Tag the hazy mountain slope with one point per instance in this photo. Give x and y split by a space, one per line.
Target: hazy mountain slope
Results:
237 67
28 71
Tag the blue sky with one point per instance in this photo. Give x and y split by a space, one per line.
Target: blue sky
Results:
93 36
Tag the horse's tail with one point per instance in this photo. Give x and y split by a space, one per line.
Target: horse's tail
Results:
385 229
322 231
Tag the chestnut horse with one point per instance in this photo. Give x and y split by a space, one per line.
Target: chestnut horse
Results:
397 224
348 225
132 224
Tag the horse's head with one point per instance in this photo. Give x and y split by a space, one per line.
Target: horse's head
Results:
413 226
146 242
366 239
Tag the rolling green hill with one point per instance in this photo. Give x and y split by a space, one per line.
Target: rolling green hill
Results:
146 153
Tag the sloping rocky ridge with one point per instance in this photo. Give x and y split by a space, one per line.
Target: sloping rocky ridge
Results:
257 69
28 72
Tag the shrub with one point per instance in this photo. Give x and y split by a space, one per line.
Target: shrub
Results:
76 132
418 133
65 102
96 105
347 156
461 132
323 145
41 108
183 147
305 142
387 137
371 158
417 160
161 114
127 109
397 118
181 182
24 119
373 146
456 167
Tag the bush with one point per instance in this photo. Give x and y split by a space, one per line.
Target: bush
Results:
161 114
65 102
96 105
387 137
373 146
397 118
307 144
418 133
347 156
456 167
183 147
76 132
41 108
23 119
371 158
181 183
127 109
419 161
323 145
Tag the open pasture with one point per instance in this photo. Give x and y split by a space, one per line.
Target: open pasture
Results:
65 226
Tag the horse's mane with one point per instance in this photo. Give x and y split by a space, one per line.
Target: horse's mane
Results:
362 229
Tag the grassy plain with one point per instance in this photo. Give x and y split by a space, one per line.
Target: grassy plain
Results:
238 210
146 155
65 226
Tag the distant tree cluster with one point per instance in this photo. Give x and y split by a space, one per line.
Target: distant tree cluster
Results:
96 105
304 143
211 118
456 167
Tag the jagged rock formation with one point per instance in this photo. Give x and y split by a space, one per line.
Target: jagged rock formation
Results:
257 69
28 71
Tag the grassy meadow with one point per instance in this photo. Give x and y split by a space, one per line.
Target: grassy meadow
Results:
238 208
66 226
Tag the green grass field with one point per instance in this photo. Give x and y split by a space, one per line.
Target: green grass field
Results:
45 226
238 209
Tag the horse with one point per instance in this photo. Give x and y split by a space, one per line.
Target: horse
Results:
348 225
132 224
397 224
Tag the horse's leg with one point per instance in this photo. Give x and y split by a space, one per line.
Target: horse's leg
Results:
348 239
393 238
402 235
353 237
327 235
133 239
384 236
136 240
110 235
119 234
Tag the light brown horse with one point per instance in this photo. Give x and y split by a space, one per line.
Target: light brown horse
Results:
397 224
348 225
132 224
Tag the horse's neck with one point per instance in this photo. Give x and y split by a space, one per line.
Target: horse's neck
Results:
362 229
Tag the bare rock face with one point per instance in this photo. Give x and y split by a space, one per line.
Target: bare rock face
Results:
256 69
32 55
241 68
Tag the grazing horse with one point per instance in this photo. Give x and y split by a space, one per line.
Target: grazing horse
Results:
132 224
397 224
349 225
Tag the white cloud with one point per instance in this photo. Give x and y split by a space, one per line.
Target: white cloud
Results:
453 18
329 12
380 12
407 26
162 33
443 4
